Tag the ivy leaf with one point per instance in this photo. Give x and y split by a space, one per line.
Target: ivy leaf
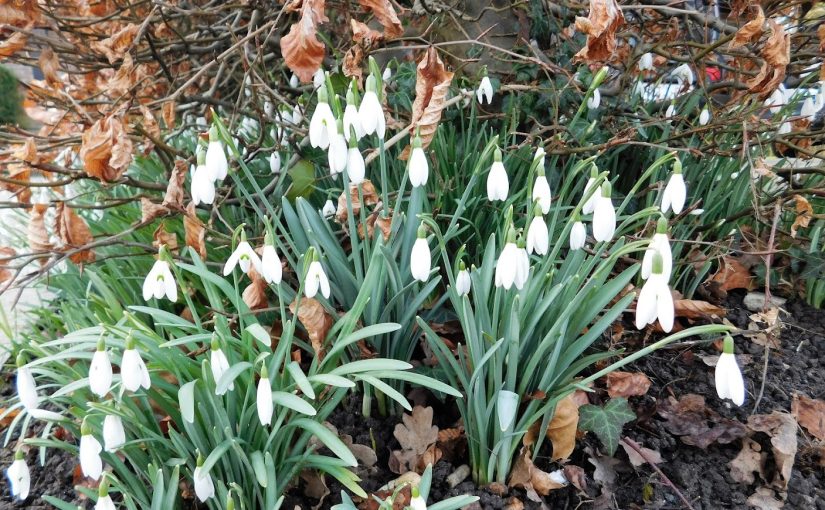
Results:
606 422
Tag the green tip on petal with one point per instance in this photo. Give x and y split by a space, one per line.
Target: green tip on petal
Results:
323 97
230 503
727 346
370 85
661 225
201 155
415 492
658 263
416 141
243 234
268 239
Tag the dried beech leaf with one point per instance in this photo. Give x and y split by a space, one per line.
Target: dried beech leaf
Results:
175 189
254 295
627 384
16 42
162 237
732 274
50 65
600 26
74 233
417 432
804 213
748 461
315 320
116 46
432 83
525 474
385 13
106 150
6 254
776 53
370 199
781 427
562 428
696 424
27 152
150 210
168 114
750 31
301 49
364 35
695 309
37 234
637 459
810 413
195 231
150 124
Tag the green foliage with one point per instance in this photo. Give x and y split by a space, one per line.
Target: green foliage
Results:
11 102
607 422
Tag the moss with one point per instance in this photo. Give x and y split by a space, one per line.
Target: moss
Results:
10 98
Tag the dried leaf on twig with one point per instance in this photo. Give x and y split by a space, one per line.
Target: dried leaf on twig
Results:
301 49
315 320
432 83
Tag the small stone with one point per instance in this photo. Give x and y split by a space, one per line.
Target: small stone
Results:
458 476
755 301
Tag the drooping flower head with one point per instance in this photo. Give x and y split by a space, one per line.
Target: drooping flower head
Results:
541 187
578 234
587 208
19 476
371 113
658 244
215 161
133 371
219 365
100 370
271 268
417 502
728 376
655 301
104 501
646 62
506 407
595 100
508 262
204 488
704 117
26 386
498 184
337 153
463 282
203 182
675 192
160 281
263 400
243 256
538 238
420 258
275 162
114 436
485 90
315 278
352 122
90 462
322 125
356 167
604 215
418 167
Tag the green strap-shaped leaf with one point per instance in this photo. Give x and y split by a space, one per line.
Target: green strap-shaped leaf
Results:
293 402
606 422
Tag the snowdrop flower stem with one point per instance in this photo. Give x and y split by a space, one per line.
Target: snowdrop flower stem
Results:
728 376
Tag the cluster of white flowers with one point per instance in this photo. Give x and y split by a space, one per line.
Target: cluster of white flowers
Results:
212 166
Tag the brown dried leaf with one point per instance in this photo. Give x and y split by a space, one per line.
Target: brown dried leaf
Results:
106 150
370 199
73 233
562 428
748 461
627 384
432 83
750 31
764 499
810 413
254 295
27 152
13 44
6 254
315 320
161 237
417 432
50 65
781 427
174 190
695 309
168 114
116 46
364 35
301 49
732 274
385 13
150 124
776 53
525 474
194 231
37 234
315 486
600 26
637 459
696 424
804 213
150 210
352 62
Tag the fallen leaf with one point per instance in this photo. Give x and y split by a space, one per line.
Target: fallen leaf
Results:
254 295
301 49
605 472
768 326
73 232
150 124
168 114
175 189
689 418
416 435
810 413
194 231
562 428
748 461
385 14
106 150
14 43
8 415
627 384
600 26
781 427
765 499
525 474
50 65
37 235
162 237
732 274
750 31
606 422
576 476
804 213
367 191
636 459
116 46
27 152
6 253
315 486
514 504
432 83
316 321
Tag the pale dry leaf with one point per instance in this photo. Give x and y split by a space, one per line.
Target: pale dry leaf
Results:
526 475
561 431
116 46
315 320
106 150
50 66
14 43
417 432
748 461
781 427
301 49
27 151
810 413
385 14
37 234
194 230
254 295
365 455
636 459
600 26
162 237
315 486
696 309
765 499
74 233
432 83
150 124
168 114
804 213
627 384
776 53
367 191
175 189
732 274
6 254
750 31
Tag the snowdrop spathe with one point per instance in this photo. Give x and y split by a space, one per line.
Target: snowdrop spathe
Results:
244 257
420 258
485 91
315 278
219 365
215 160
26 386
578 235
658 244
19 476
113 434
675 192
370 113
204 487
418 167
655 301
271 268
728 376
263 399
498 184
322 125
100 370
538 239
604 215
133 371
90 462
463 282
160 282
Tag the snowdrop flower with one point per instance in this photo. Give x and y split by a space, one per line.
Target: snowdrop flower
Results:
297 114
356 168
578 235
203 182
204 488
418 167
293 81
675 192
506 407
810 107
728 377
463 283
263 400
417 502
704 117
541 190
684 75
26 387
595 100
655 300
371 114
271 268
133 372
100 371
90 462
507 262
104 501
269 109
670 112
219 365
322 125
420 258
113 434
538 239
522 266
328 210
316 278
498 185
319 78
275 162
604 216
661 245
485 91
387 74
776 100
244 257
587 208
19 476
160 282
337 154
215 160
646 62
